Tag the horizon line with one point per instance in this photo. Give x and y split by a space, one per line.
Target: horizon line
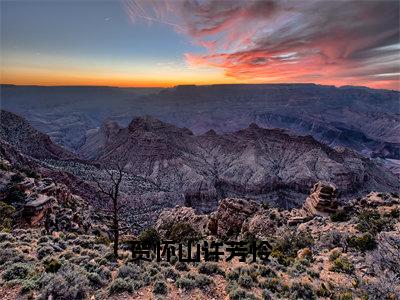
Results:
199 85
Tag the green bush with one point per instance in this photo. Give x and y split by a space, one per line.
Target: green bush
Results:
271 284
44 251
170 273
363 243
182 232
51 265
394 213
17 271
129 271
302 291
239 294
191 281
6 216
102 240
5 165
342 265
245 281
340 215
69 282
210 268
345 296
10 255
149 237
287 246
160 287
334 255
181 266
186 283
95 280
119 286
369 220
267 272
281 258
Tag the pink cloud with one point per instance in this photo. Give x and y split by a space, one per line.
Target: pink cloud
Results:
333 42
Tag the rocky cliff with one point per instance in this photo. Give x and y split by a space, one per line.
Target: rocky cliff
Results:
262 164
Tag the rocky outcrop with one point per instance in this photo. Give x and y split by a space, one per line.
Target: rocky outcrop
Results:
168 218
19 133
263 224
227 221
322 200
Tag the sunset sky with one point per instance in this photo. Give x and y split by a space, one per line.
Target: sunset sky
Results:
165 43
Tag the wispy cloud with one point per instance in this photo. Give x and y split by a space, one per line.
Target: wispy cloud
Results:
336 42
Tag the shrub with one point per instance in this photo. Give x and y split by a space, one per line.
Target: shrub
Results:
104 272
286 247
5 165
340 215
29 285
181 266
394 213
17 178
17 271
182 232
186 283
160 287
342 265
31 173
6 212
68 283
345 296
120 285
245 281
191 281
10 255
210 268
51 265
302 291
5 236
239 294
129 271
44 251
233 275
334 255
149 237
334 239
15 196
202 281
267 272
271 284
363 243
102 240
95 280
369 220
281 258
170 273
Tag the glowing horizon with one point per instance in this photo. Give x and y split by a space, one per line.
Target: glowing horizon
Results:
168 43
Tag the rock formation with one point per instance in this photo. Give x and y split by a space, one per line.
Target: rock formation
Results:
322 200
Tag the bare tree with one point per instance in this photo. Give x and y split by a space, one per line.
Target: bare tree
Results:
110 191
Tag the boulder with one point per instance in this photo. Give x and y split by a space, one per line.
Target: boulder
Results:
322 200
227 221
262 224
180 214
